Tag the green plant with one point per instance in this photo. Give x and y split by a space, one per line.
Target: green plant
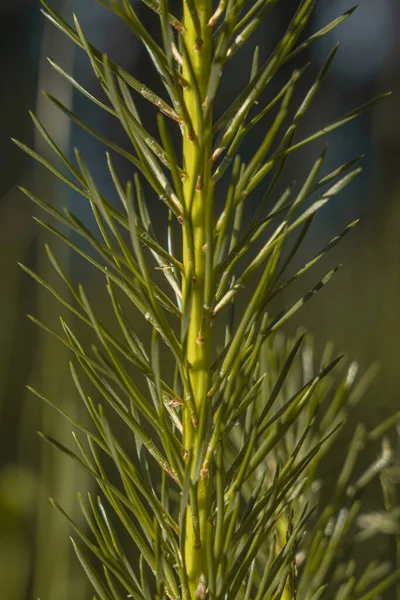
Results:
219 496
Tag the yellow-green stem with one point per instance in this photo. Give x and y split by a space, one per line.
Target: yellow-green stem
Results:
198 335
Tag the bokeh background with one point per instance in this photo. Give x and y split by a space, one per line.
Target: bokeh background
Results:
358 311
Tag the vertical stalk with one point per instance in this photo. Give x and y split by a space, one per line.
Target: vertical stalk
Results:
198 197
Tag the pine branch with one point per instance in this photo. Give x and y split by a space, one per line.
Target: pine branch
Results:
210 468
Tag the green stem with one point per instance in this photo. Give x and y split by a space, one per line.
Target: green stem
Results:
197 280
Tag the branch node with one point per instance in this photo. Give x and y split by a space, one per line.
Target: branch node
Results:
198 45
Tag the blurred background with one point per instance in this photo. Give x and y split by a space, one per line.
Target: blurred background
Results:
358 312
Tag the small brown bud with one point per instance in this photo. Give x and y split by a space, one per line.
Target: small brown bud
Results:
201 590
205 473
217 153
177 55
175 403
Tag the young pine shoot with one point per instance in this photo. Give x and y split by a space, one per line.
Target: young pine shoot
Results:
217 491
